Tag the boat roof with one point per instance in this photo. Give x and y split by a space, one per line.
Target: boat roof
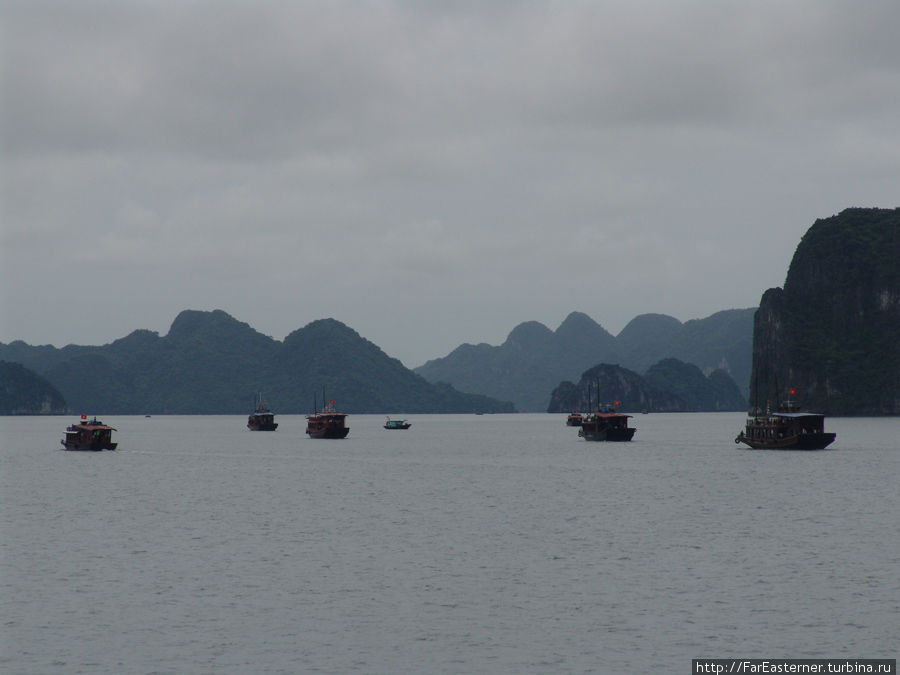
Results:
92 425
796 414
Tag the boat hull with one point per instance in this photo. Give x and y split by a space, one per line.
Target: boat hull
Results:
798 442
330 432
612 435
261 423
89 447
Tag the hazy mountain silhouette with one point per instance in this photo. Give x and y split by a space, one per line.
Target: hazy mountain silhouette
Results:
534 360
212 363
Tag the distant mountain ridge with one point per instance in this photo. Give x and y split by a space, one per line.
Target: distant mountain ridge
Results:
211 363
533 360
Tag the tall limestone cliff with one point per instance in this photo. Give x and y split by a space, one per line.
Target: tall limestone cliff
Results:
832 333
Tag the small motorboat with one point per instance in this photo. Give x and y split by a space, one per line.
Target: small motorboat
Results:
396 424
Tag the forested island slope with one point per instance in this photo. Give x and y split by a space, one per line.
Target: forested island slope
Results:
24 392
833 332
668 386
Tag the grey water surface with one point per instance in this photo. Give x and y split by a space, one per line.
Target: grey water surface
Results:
466 544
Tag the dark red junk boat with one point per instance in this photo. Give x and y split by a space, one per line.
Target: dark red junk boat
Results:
262 418
91 435
327 423
787 428
606 425
574 419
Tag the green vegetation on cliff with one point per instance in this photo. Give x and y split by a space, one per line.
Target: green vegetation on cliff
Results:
713 393
24 392
833 332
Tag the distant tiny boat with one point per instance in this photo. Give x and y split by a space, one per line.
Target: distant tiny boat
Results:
574 419
396 424
90 435
788 428
262 419
606 425
327 423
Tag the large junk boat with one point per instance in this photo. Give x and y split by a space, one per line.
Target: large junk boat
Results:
90 435
262 419
787 428
327 423
606 425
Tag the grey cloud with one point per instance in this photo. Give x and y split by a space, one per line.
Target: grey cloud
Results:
485 161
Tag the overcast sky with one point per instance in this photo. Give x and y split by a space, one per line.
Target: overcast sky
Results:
429 173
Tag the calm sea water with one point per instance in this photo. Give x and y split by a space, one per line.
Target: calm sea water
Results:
467 544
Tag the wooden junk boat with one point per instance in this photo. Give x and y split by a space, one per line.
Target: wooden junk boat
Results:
262 419
327 423
606 425
575 419
396 424
90 435
787 428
